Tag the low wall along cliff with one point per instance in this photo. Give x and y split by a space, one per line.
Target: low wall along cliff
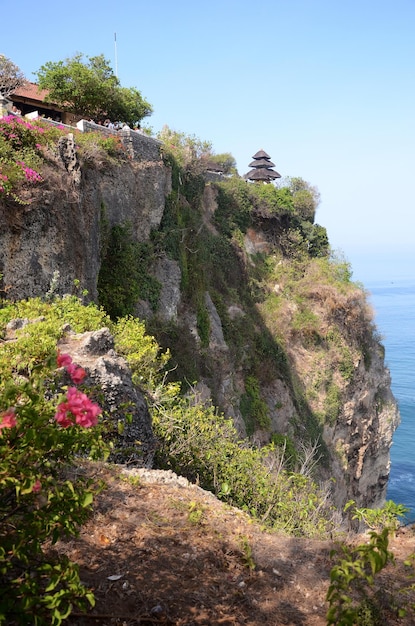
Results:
139 146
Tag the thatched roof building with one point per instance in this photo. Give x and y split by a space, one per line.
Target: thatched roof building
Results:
262 168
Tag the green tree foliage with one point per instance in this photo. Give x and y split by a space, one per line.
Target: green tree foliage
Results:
11 77
350 594
306 198
294 203
226 161
89 87
187 151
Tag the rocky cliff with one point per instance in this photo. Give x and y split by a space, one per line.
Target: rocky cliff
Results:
61 229
285 345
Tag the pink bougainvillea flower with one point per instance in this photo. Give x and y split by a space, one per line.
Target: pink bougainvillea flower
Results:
8 419
63 359
88 417
62 417
37 486
78 409
76 373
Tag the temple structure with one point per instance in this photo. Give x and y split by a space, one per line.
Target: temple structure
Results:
262 168
30 100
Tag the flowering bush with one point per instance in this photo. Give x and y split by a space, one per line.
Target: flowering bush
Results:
20 153
40 499
22 145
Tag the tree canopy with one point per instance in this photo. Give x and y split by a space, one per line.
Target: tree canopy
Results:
87 86
11 77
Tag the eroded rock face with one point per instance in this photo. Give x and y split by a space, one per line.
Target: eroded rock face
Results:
108 374
362 436
69 157
61 230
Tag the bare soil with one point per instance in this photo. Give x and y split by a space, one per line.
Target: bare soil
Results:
160 551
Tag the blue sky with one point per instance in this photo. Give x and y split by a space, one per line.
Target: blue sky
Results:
326 87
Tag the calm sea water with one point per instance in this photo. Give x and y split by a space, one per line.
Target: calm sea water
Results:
394 304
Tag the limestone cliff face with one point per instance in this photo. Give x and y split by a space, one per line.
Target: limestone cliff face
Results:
62 230
362 435
358 436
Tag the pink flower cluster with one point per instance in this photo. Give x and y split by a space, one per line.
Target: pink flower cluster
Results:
78 408
8 419
37 486
12 120
30 174
76 373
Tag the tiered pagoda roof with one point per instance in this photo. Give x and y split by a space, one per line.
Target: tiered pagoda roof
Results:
262 168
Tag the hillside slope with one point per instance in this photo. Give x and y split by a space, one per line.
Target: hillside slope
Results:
160 551
237 281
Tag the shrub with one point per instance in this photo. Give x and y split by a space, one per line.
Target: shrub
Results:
20 155
124 276
203 324
379 519
188 151
204 447
41 499
332 403
288 449
36 341
141 351
235 205
254 410
97 147
350 594
24 148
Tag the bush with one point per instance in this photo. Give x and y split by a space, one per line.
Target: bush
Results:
124 277
20 155
35 342
350 593
378 519
141 351
23 152
204 447
254 410
41 499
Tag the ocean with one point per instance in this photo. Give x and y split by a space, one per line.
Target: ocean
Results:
394 305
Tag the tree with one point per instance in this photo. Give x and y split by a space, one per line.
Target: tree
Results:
188 151
226 160
306 198
91 89
11 77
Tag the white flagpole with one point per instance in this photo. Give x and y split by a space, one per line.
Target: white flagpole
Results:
116 59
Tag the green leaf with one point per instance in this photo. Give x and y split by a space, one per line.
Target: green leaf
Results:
88 499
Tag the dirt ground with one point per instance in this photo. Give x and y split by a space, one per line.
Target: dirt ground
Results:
166 552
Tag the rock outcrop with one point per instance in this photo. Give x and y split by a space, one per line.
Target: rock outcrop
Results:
128 418
61 230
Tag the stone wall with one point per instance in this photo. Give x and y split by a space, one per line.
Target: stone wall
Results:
140 147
